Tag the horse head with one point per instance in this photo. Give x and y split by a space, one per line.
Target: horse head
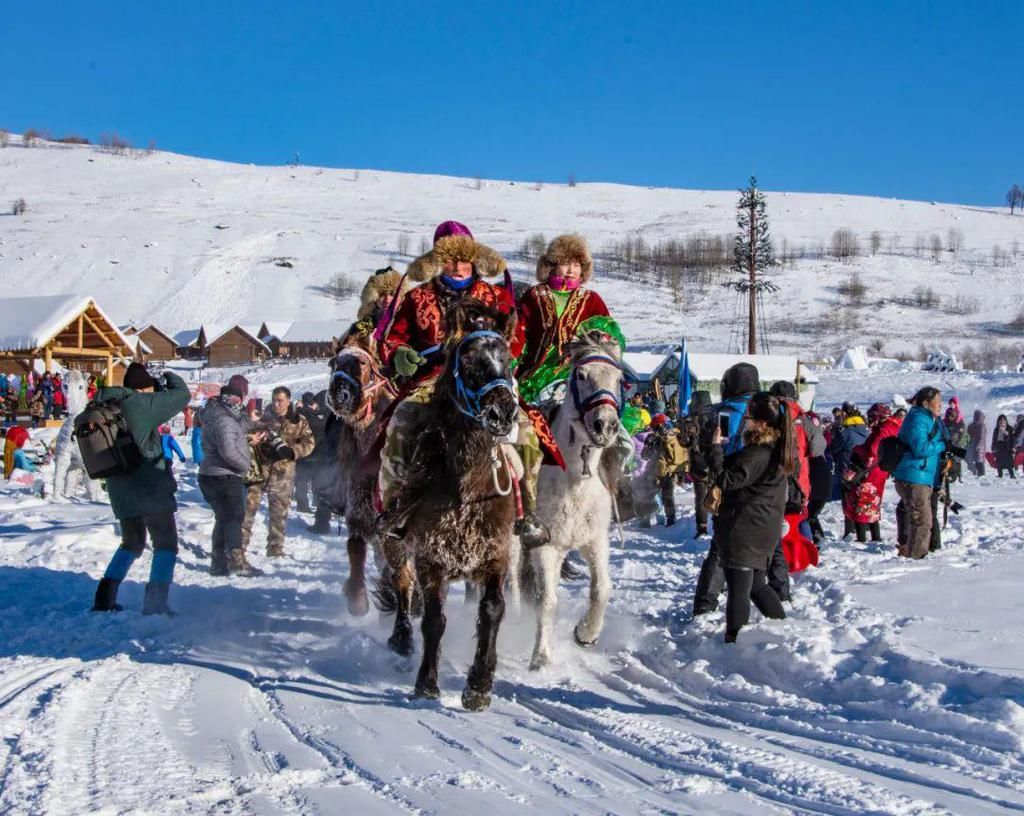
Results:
355 377
595 385
78 392
478 368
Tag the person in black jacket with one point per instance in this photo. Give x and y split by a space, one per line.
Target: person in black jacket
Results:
754 483
305 469
697 430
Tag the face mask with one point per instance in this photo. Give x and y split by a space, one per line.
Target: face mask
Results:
560 284
457 285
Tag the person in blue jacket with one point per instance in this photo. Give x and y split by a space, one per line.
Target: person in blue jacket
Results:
197 440
924 438
170 446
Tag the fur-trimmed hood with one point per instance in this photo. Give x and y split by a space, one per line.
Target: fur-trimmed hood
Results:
487 262
380 283
563 249
761 436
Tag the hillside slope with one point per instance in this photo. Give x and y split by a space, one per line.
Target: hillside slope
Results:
182 241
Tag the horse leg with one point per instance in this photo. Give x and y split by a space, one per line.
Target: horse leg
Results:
432 627
355 585
477 694
546 565
405 584
588 630
515 558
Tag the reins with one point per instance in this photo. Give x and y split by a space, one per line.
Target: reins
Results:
466 399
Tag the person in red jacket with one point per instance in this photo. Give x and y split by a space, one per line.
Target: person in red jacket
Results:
411 337
862 501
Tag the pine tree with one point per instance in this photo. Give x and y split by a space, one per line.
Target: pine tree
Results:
752 254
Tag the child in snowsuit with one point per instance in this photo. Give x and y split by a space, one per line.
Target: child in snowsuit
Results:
671 457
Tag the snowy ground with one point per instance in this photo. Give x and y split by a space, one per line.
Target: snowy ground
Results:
892 687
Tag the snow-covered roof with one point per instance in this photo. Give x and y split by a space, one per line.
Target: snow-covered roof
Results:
186 338
135 342
276 328
312 331
644 365
157 329
28 323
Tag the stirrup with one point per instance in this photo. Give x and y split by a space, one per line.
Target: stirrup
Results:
531 531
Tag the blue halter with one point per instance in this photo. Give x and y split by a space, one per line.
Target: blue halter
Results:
600 397
467 400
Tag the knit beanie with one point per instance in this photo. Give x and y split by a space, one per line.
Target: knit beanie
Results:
237 386
447 228
137 377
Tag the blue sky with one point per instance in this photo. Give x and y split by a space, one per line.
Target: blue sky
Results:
908 99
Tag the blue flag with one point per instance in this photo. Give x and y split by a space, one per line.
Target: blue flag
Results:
685 384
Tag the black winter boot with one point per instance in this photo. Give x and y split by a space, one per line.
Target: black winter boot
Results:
322 521
155 601
219 564
106 596
670 519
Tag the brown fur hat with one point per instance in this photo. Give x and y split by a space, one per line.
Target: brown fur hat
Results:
486 262
563 249
380 283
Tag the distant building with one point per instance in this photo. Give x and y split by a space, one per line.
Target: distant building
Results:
309 339
161 345
235 345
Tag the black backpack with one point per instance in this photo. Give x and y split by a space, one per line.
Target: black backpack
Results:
891 451
107 446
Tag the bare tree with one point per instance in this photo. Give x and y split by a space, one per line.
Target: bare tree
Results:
572 180
403 243
955 240
919 245
30 138
5 138
935 244
19 207
424 246
477 182
844 244
341 287
876 242
1015 197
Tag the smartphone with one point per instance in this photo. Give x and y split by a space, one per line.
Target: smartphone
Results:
723 425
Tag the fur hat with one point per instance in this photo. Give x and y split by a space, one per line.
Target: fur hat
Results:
563 249
382 282
456 247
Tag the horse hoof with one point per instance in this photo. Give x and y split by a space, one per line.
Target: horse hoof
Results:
580 641
427 693
401 644
358 600
473 700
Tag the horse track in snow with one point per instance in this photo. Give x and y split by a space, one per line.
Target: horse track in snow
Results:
264 696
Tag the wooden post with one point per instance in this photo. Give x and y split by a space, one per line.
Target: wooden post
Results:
48 360
81 332
110 369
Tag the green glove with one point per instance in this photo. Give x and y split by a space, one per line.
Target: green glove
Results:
407 360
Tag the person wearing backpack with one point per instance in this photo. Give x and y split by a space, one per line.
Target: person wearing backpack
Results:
923 441
670 457
739 383
862 503
143 500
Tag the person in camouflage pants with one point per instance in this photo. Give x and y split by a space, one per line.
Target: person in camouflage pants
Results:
273 470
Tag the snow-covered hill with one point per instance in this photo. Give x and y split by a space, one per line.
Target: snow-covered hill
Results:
182 241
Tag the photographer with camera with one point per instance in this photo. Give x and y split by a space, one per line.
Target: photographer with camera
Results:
286 438
143 499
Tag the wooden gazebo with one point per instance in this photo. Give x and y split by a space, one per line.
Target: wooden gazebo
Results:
69 329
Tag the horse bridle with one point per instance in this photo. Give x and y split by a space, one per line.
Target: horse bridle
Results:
377 380
466 399
600 397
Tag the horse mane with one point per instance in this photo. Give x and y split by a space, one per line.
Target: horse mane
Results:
593 342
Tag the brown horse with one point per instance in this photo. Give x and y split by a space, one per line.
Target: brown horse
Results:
359 396
458 499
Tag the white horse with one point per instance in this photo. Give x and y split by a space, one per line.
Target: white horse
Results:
576 503
68 468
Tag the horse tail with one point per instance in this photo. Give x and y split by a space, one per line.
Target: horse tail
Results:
385 598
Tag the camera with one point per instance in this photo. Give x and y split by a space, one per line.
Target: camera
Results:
276 448
956 450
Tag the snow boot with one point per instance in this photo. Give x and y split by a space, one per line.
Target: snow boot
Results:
239 565
155 601
106 596
670 520
730 635
275 551
219 564
702 530
322 521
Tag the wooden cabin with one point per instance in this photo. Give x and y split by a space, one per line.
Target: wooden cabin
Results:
304 340
69 330
235 346
160 344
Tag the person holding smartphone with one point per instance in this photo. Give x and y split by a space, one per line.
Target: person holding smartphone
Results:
739 384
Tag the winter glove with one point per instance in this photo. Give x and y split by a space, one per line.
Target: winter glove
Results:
407 360
286 454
